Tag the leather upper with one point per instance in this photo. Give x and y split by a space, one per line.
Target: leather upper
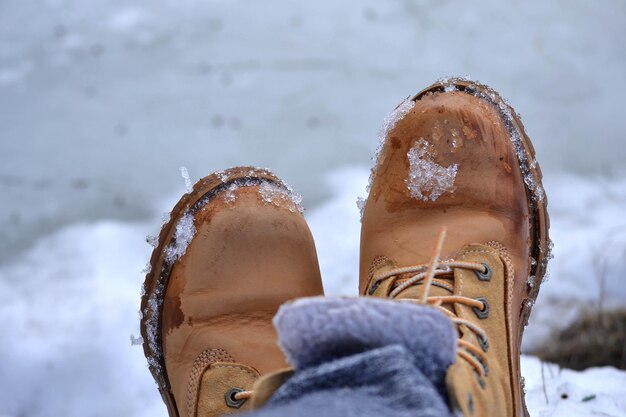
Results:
247 257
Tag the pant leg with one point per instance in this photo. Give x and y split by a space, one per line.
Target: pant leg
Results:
380 382
362 357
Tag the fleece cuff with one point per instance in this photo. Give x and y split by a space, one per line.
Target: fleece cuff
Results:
315 330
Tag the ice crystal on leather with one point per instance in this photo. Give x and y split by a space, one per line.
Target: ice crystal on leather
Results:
185 230
392 119
427 180
135 340
360 203
448 86
389 123
280 195
152 316
152 240
222 175
229 194
185 175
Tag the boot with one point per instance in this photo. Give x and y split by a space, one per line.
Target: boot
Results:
235 248
456 156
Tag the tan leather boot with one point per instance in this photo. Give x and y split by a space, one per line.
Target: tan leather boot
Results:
235 248
456 155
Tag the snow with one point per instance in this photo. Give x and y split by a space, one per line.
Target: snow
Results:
152 240
185 230
183 234
136 340
426 179
69 304
588 229
336 228
222 176
390 122
360 204
229 193
185 174
280 195
555 392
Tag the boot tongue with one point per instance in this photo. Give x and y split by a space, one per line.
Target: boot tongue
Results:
416 292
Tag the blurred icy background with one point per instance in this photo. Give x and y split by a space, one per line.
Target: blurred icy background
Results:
102 101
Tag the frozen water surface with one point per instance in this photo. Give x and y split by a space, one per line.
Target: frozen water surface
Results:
131 90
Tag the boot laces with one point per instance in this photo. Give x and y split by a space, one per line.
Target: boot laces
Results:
439 273
243 395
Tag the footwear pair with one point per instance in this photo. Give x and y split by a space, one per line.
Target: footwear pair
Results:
237 247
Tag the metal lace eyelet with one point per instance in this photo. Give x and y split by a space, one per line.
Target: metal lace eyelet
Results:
484 312
483 342
229 397
373 288
481 381
470 403
484 276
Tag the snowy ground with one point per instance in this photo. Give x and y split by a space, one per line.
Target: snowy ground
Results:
69 304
